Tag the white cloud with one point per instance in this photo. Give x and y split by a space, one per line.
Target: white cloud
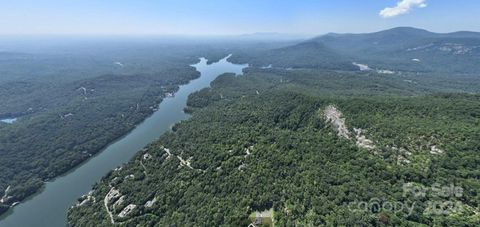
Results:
403 7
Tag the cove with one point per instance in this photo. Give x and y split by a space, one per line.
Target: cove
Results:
49 206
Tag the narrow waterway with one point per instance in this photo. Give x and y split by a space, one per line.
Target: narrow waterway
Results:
49 207
8 120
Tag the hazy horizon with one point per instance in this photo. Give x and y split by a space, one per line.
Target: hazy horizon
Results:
226 18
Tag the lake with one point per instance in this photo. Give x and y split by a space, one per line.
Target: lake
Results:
8 120
49 206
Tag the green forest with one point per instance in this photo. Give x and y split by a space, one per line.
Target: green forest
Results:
72 101
338 130
262 141
67 112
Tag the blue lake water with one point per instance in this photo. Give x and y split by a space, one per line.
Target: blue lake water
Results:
49 207
8 120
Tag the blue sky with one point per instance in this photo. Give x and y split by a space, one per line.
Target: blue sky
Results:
218 17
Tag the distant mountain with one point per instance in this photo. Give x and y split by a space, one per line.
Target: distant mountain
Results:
269 36
384 40
397 49
398 39
12 55
306 54
410 49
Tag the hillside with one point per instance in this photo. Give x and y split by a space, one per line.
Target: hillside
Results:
398 49
271 140
302 55
410 49
69 106
332 131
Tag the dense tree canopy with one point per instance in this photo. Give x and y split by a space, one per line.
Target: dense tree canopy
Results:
261 141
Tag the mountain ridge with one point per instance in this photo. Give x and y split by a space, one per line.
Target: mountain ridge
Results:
398 49
403 29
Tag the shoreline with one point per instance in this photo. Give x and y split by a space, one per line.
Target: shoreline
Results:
9 210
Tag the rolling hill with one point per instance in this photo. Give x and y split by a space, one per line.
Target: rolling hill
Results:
398 49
